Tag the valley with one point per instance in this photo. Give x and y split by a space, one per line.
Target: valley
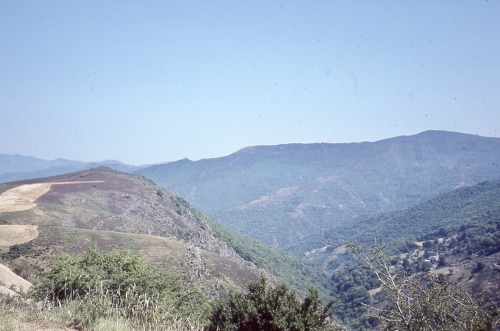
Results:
280 195
287 212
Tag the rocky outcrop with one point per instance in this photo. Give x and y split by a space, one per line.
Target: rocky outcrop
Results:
12 284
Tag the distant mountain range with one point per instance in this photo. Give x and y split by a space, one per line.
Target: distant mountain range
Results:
19 167
283 194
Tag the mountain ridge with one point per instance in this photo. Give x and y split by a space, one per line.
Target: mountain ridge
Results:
261 190
14 167
113 209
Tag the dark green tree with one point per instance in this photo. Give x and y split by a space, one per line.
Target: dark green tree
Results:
270 308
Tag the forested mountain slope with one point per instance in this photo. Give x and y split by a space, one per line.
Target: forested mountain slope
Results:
454 235
476 206
283 194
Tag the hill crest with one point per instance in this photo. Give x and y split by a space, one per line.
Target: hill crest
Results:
114 209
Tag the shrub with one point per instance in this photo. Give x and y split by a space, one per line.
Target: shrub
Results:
270 308
119 285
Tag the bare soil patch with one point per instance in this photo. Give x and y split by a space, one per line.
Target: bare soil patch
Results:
17 234
455 273
23 197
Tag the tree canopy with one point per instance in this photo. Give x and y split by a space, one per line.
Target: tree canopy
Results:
270 308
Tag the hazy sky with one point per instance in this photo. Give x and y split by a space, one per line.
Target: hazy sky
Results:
156 81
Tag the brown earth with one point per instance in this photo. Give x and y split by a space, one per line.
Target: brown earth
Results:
23 197
17 234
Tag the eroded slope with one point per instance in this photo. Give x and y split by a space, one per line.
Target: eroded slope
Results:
117 210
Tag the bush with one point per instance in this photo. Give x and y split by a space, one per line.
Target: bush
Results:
118 284
270 308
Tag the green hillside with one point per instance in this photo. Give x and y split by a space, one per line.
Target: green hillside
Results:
447 213
283 194
454 236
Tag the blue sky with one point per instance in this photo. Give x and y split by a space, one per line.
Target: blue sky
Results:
156 81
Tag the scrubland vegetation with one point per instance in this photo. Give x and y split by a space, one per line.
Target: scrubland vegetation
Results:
116 290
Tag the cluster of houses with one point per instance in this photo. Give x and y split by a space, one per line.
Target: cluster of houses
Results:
431 256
